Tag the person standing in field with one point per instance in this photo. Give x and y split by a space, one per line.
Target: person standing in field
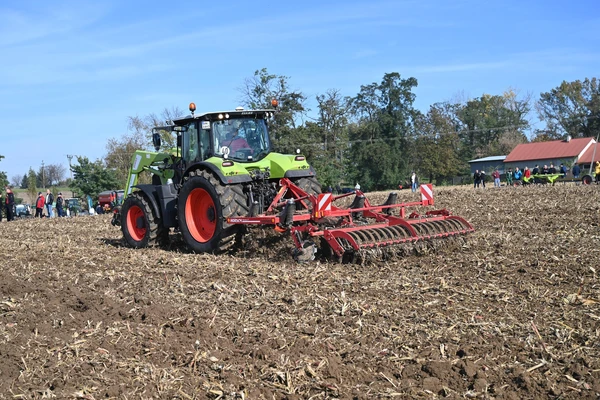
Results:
563 170
517 175
496 176
59 205
10 204
476 179
414 181
509 177
39 206
49 201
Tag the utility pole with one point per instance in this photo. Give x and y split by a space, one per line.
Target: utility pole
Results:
43 177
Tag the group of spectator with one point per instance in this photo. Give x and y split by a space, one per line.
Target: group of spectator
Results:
42 202
47 202
479 178
526 175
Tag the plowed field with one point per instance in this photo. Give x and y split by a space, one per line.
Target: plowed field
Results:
511 312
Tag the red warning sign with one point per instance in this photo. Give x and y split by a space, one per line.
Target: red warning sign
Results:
324 202
427 194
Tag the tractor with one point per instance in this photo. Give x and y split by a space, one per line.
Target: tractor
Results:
223 177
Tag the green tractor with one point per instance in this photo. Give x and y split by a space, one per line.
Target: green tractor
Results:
223 167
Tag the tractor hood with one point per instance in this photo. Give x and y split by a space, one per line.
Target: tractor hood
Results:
279 165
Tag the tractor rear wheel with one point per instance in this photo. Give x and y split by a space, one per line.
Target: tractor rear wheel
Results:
310 185
140 226
204 205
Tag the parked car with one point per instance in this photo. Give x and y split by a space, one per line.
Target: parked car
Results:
22 210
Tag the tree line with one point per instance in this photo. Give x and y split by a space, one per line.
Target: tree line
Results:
376 137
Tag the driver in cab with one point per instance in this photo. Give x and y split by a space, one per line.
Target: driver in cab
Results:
235 141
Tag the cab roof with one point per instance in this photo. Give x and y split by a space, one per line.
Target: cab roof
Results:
224 115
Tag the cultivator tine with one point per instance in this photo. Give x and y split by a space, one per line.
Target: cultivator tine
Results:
392 199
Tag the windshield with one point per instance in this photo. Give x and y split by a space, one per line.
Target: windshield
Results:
243 139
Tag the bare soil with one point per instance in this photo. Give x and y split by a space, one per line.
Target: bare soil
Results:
512 312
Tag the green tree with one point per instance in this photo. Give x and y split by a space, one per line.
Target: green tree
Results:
490 120
32 189
326 139
573 108
437 144
3 176
258 92
382 131
91 178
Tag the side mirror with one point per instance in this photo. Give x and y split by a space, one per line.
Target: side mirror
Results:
156 140
179 141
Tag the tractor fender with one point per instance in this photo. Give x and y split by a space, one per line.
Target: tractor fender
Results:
163 200
225 180
150 192
300 173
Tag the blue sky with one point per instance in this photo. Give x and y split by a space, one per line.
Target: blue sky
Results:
73 71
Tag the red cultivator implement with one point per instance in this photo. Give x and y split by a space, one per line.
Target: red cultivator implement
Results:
350 233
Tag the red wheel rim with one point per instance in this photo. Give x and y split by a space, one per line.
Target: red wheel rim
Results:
201 215
137 233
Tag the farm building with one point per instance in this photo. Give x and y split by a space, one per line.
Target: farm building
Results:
568 152
488 164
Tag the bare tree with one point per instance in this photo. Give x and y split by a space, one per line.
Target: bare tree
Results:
55 173
144 125
16 180
119 152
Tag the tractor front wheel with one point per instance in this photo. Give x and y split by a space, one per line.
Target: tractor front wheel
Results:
140 227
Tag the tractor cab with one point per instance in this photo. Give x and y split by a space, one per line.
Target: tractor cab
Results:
240 136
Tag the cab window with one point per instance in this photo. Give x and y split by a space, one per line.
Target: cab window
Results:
190 148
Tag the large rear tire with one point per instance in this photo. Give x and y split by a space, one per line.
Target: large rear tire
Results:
139 224
310 185
203 208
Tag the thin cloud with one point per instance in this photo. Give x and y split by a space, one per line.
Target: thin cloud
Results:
364 54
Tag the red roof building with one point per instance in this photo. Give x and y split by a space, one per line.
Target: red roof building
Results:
568 152
555 151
